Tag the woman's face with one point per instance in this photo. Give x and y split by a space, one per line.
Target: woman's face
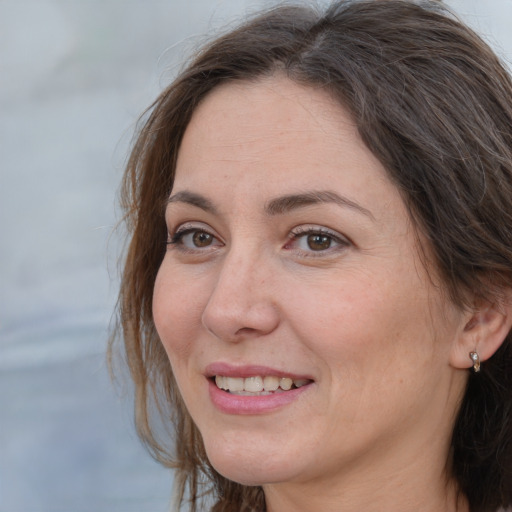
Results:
305 336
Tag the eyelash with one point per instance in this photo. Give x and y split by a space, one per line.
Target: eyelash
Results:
303 232
176 239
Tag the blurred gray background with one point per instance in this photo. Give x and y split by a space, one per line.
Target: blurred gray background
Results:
74 76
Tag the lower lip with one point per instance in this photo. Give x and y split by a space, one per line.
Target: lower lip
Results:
235 404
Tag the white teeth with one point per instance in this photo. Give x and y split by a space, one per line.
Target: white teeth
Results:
286 383
233 384
270 383
253 384
219 380
257 384
300 382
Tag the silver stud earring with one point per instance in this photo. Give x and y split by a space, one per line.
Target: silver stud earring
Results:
476 361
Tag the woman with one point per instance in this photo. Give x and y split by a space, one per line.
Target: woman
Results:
317 292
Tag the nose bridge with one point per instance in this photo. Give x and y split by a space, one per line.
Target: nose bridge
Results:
242 302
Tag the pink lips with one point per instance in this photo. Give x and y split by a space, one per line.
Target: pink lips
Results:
245 371
246 405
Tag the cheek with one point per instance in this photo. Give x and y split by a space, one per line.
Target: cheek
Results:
177 307
363 325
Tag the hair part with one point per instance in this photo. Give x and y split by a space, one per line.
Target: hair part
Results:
434 104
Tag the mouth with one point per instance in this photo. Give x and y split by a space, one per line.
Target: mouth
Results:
253 389
258 385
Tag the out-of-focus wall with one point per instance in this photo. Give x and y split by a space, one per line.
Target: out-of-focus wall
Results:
74 76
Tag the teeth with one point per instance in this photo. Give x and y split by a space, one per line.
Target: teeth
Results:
219 380
270 383
234 384
253 384
285 383
257 384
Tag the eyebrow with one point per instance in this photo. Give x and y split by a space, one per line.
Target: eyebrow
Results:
287 203
279 205
194 199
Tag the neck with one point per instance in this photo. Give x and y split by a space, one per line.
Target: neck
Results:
417 483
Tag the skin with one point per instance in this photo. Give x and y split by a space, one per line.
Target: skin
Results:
362 317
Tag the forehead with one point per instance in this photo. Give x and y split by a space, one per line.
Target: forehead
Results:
284 103
276 130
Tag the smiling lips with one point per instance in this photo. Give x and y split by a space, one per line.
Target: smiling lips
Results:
253 389
257 385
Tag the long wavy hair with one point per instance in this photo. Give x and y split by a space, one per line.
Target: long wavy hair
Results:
434 104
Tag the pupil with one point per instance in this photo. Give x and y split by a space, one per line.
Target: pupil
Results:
319 242
202 239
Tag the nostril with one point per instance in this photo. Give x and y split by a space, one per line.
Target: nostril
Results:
240 319
245 331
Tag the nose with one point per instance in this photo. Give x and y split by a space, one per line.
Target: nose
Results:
242 303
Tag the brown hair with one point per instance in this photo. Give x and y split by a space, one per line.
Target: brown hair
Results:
434 105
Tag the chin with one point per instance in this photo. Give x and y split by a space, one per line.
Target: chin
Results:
250 467
255 476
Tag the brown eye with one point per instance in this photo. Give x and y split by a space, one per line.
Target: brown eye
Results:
316 242
202 239
319 242
193 239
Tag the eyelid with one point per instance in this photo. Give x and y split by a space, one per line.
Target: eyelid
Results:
298 232
176 235
315 228
191 225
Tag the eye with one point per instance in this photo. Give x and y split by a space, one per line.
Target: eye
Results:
197 239
193 239
316 240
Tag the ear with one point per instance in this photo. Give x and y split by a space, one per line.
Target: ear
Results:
484 330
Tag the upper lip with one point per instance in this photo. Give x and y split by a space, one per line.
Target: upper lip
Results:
245 371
